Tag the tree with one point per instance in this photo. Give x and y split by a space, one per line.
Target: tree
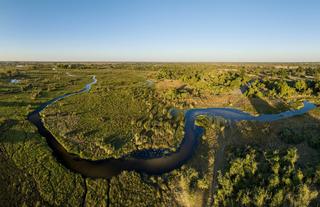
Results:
284 89
291 156
277 198
274 181
260 195
303 197
301 85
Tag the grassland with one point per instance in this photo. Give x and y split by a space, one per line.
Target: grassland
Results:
133 118
129 109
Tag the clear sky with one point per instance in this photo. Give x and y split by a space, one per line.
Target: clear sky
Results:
160 30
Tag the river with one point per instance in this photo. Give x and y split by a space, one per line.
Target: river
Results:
107 168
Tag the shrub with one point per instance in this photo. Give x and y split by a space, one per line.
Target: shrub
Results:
284 89
203 121
301 85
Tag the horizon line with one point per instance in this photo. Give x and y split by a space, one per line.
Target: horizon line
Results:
148 61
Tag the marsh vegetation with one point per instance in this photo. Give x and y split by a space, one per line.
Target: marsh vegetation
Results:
244 163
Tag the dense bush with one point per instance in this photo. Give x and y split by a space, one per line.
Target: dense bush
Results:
264 178
282 89
204 78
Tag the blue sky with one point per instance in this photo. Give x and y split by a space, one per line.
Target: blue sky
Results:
160 30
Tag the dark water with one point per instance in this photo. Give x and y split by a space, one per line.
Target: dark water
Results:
147 161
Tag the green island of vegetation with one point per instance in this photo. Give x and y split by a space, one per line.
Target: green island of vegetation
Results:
242 163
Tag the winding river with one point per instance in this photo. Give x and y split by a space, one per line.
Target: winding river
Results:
151 165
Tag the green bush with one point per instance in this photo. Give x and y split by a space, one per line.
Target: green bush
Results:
284 89
301 85
249 181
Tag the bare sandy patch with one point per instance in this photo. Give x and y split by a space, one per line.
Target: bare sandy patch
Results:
169 84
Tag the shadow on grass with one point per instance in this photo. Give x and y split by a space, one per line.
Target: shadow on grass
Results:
263 107
16 103
116 141
302 125
9 134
